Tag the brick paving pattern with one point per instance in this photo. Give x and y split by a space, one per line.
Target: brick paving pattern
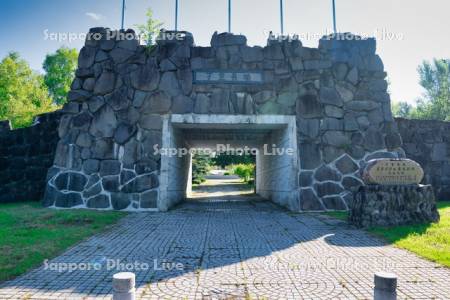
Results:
234 250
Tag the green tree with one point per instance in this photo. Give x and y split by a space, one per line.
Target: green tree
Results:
150 29
59 73
200 167
244 171
435 79
402 109
224 159
23 93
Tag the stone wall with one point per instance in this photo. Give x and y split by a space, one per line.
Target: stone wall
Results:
25 156
337 91
428 143
393 205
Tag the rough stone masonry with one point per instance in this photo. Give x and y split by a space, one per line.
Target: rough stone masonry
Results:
113 118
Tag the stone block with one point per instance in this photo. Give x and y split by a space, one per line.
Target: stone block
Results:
305 178
308 106
326 173
121 201
99 201
330 96
309 201
439 152
334 203
68 200
140 184
146 77
310 157
149 199
346 165
123 133
393 205
109 167
105 83
328 189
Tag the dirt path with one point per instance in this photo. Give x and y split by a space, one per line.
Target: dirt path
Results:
221 187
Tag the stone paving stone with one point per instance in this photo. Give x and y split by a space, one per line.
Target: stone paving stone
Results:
233 250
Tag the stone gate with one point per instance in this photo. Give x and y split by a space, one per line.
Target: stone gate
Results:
329 103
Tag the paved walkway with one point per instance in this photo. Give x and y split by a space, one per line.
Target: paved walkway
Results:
243 249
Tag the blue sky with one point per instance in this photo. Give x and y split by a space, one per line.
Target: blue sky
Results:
422 28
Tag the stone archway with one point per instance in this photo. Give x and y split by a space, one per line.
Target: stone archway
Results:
124 93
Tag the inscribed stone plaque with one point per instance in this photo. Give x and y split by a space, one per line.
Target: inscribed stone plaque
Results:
228 77
387 171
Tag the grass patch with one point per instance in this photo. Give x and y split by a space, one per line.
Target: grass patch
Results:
29 233
431 241
341 215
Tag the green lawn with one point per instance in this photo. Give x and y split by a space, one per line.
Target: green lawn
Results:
29 233
431 241
341 215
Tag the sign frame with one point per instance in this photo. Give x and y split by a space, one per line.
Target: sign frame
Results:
224 81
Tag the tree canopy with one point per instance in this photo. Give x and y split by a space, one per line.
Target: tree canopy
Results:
435 79
435 103
23 93
60 70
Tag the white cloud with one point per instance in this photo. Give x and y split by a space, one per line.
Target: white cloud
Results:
95 16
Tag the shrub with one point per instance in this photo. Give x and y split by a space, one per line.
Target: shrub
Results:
244 171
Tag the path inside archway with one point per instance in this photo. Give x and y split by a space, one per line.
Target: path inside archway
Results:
221 187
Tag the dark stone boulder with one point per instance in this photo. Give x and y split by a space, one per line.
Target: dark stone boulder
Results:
330 96
308 106
149 199
151 122
330 153
346 165
351 183
86 57
373 139
82 119
123 133
77 182
120 201
310 157
93 190
50 196
105 83
393 205
68 200
109 167
146 166
104 122
118 99
334 203
328 189
326 173
111 183
61 181
99 201
201 104
159 102
140 184
146 78
393 141
309 201
305 178
126 175
182 105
